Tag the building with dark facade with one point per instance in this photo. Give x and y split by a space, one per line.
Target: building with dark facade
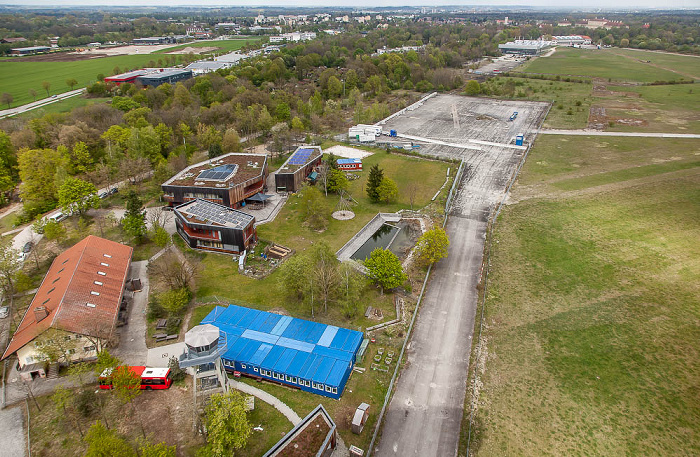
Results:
213 227
164 75
298 168
30 50
227 180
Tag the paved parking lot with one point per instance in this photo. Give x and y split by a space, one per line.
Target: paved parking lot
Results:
425 413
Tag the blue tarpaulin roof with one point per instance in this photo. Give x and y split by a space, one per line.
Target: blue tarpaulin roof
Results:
294 347
348 161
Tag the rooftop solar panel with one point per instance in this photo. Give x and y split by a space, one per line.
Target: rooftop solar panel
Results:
214 213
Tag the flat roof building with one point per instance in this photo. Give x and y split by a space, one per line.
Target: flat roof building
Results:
200 68
164 75
214 227
525 47
298 167
310 356
350 164
227 180
30 50
128 77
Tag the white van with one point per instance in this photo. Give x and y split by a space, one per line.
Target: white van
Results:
57 217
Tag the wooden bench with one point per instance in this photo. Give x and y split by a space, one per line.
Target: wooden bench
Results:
162 323
171 337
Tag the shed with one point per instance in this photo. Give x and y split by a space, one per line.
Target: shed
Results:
300 165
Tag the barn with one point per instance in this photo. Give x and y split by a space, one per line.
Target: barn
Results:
298 167
306 355
350 164
228 180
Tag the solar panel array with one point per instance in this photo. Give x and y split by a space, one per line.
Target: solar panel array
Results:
211 212
220 173
301 156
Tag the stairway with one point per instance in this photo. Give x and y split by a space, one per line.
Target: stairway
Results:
53 371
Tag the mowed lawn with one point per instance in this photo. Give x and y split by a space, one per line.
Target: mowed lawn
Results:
600 63
593 311
18 77
677 62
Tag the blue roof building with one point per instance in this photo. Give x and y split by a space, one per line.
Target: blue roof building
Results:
350 164
313 357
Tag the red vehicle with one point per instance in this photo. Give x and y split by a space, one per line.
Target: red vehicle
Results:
151 378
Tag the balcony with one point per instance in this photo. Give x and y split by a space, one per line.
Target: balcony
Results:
190 358
198 234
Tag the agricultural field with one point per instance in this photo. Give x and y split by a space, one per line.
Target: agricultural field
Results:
592 312
17 77
599 63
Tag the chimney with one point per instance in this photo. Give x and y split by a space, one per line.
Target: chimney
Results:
40 313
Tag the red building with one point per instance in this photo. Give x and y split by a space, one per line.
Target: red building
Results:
350 164
129 77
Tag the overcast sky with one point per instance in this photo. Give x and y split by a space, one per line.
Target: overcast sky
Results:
591 4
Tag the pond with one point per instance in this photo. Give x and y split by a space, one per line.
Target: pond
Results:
397 238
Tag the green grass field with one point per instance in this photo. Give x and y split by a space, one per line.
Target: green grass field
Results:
17 77
593 310
62 106
598 63
680 63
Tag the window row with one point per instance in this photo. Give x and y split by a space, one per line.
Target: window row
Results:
286 378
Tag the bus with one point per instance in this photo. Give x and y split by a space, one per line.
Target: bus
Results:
151 378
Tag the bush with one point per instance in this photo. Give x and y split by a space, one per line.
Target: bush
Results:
85 402
176 373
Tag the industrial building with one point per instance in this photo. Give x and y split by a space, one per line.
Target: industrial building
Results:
152 40
128 77
310 356
227 180
299 167
571 40
30 50
208 66
350 164
214 227
80 298
164 75
525 47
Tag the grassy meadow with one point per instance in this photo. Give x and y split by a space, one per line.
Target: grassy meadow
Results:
223 45
592 314
599 63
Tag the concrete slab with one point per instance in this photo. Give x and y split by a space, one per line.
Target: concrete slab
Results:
160 356
347 152
425 413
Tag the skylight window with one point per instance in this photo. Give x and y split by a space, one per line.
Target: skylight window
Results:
94 293
91 305
107 255
102 273
104 264
98 283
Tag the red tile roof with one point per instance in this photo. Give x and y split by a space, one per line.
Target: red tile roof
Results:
71 296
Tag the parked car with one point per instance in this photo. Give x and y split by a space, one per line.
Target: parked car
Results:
113 191
104 194
4 312
27 247
57 217
22 256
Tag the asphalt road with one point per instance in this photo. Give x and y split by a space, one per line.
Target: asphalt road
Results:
39 103
424 415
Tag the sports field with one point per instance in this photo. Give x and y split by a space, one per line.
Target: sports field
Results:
602 63
593 310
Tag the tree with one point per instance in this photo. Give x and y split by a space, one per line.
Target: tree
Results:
215 150
32 93
37 172
336 181
324 267
80 158
231 141
134 221
126 384
55 346
432 246
77 195
46 85
6 99
71 82
314 209
294 276
384 269
54 231
62 400
9 264
374 180
351 284
174 300
226 423
387 190
106 443
105 360
156 450
473 88
8 166
174 272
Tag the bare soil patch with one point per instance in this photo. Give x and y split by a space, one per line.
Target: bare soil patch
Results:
57 57
191 50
